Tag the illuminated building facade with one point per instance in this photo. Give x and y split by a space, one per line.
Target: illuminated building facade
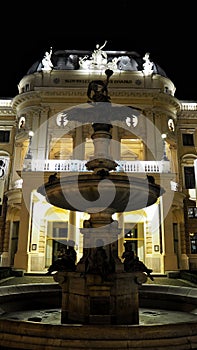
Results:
37 140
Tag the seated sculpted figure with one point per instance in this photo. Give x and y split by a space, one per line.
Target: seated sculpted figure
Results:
99 57
65 262
132 262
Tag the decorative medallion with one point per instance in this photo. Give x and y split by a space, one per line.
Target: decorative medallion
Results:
3 166
132 121
21 123
171 124
61 119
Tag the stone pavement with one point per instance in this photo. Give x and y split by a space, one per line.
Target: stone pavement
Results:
26 279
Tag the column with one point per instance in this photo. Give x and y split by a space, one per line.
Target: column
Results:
30 183
35 130
78 144
169 257
17 161
39 141
184 259
5 257
21 256
120 219
115 143
72 226
153 140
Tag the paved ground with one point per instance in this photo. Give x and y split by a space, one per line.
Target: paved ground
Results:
26 279
49 279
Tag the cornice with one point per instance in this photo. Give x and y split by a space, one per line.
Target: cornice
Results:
79 95
20 100
169 100
187 115
6 112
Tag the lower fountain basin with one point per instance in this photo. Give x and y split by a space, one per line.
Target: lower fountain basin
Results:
20 334
117 191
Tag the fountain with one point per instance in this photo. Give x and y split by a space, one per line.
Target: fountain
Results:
98 289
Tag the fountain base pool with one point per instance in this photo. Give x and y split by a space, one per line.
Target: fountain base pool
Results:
167 320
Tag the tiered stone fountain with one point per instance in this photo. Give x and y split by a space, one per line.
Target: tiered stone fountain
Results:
99 297
98 290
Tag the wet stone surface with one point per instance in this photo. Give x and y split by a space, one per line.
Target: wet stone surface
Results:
146 316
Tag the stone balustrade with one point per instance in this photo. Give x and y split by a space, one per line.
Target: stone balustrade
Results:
75 165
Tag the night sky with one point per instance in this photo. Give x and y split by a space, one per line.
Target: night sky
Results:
168 34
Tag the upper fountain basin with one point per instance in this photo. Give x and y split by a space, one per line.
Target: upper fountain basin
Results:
118 192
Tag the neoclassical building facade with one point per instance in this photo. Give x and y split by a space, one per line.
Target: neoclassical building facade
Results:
40 135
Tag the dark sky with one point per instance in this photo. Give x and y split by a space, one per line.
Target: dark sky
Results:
166 31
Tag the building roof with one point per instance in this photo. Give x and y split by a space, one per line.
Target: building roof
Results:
95 60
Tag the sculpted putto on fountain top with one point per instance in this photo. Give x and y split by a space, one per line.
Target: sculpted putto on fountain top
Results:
97 89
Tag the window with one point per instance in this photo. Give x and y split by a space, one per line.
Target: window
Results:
4 136
60 232
192 212
60 235
14 242
188 139
189 177
193 243
130 234
27 87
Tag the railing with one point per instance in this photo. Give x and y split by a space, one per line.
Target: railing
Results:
58 165
188 106
80 166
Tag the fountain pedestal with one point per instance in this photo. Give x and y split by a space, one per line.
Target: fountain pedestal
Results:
89 300
100 291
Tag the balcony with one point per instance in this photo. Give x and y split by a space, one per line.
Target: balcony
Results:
75 165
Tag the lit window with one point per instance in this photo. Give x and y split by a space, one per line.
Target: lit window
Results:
193 243
192 212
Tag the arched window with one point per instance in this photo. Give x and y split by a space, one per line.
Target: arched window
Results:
189 177
189 174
